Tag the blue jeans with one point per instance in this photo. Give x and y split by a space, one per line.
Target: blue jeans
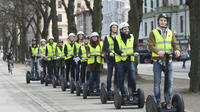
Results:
44 66
35 67
91 80
77 70
83 70
52 69
157 69
110 65
122 68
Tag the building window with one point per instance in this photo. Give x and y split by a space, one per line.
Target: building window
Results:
60 31
151 25
59 17
157 3
145 28
78 5
181 2
151 5
181 24
59 4
145 6
165 3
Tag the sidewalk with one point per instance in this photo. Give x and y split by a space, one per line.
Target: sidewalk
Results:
180 85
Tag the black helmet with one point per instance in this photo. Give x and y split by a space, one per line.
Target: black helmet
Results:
33 39
163 15
86 37
60 41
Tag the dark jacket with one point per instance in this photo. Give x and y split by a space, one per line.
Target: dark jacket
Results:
124 38
9 56
30 50
107 50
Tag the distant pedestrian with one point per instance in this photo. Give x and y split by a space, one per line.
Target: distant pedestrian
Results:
184 57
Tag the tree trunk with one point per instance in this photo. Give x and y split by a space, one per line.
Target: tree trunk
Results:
134 19
5 41
97 16
194 43
38 26
54 20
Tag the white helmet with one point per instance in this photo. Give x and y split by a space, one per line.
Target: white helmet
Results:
122 25
42 40
71 35
51 38
80 33
94 34
113 23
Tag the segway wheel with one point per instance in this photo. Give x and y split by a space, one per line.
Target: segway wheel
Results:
28 76
140 98
117 99
46 81
42 78
72 86
63 84
54 82
78 89
103 94
85 90
151 104
178 103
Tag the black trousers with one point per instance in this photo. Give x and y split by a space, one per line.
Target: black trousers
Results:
70 67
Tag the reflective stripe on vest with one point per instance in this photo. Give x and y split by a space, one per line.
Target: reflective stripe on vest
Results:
83 55
96 51
43 50
51 51
70 50
125 48
77 48
111 43
161 44
35 50
60 52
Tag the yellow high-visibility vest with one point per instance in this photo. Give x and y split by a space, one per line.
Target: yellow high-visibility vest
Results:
35 50
70 50
83 55
111 43
125 48
51 51
96 51
161 44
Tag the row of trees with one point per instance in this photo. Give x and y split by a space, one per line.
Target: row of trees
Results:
18 16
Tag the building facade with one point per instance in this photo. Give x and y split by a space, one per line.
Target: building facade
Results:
178 21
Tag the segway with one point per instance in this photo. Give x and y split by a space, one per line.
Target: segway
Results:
177 101
86 91
60 63
79 85
129 98
28 74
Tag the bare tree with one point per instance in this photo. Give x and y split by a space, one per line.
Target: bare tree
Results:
194 43
70 16
97 15
134 19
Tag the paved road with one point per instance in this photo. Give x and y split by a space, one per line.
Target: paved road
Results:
17 96
178 72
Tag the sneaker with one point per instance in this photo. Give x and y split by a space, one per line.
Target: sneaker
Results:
159 104
168 106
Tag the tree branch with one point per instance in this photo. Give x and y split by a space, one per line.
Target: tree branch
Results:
88 6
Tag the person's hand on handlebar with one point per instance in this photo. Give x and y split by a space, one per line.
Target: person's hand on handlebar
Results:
177 53
136 54
111 54
123 55
88 55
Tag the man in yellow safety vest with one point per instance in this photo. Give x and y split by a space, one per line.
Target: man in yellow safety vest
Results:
162 40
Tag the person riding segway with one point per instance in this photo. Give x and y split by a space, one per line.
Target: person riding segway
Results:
35 72
43 60
126 49
69 52
84 59
106 93
60 64
51 64
94 65
162 42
